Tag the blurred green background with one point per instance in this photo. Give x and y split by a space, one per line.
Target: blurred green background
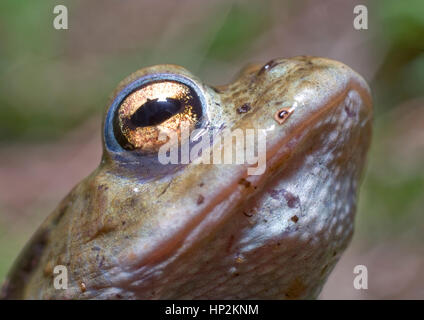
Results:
54 86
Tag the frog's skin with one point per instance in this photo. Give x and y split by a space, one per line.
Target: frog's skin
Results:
136 229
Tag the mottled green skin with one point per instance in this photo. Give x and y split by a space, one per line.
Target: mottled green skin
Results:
125 233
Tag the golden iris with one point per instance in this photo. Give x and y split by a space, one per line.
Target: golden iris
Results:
160 106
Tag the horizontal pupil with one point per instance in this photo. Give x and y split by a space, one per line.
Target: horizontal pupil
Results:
154 112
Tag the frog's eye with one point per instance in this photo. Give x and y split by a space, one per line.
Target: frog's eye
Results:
161 106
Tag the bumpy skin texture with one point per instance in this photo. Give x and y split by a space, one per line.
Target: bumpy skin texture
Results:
127 232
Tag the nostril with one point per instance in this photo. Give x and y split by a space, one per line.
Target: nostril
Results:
282 115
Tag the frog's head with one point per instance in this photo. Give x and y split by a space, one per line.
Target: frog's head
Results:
315 114
269 228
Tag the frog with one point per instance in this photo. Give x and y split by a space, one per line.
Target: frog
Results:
138 228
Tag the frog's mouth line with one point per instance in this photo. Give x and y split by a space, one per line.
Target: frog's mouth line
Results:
228 200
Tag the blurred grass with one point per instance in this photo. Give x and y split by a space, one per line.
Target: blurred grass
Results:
66 92
52 81
236 34
401 76
392 196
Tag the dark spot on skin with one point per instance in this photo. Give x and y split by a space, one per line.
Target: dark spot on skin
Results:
201 184
95 248
350 111
295 219
200 199
244 182
123 223
244 108
247 215
282 115
236 274
102 187
271 64
292 200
